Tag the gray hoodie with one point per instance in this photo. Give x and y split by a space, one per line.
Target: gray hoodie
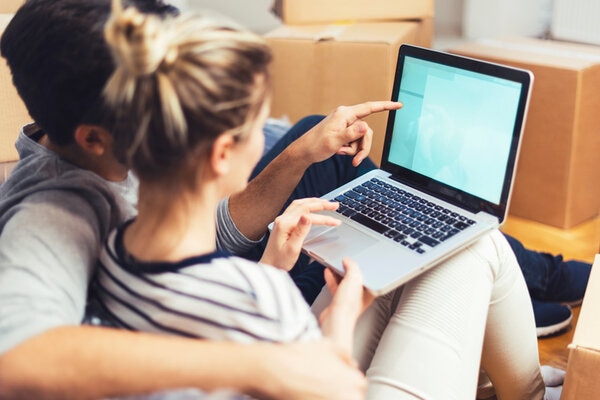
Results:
54 217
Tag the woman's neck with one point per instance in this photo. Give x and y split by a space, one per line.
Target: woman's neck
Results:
173 224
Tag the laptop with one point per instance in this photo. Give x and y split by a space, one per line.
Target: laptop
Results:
446 171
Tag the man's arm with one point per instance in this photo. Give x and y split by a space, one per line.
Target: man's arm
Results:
49 243
95 362
341 132
47 251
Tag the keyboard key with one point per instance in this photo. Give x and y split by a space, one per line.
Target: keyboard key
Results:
370 223
461 225
429 241
415 245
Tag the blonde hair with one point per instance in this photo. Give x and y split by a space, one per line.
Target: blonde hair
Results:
179 83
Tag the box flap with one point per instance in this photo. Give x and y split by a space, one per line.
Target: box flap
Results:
534 51
587 331
382 32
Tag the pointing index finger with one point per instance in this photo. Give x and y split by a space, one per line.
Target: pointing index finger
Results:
362 110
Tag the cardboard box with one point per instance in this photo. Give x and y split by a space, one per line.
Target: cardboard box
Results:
558 174
10 6
576 20
319 67
13 114
581 381
326 11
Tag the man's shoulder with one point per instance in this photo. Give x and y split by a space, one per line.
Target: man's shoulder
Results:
43 172
40 169
41 177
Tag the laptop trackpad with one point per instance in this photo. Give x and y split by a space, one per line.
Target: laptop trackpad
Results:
339 242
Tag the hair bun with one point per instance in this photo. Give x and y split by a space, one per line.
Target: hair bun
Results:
138 42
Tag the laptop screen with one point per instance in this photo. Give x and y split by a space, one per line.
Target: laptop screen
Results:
459 125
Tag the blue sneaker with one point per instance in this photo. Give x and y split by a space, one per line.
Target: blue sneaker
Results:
551 318
548 277
568 283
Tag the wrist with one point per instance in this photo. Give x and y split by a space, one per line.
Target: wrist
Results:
264 378
298 154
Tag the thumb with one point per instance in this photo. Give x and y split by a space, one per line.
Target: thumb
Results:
332 280
302 228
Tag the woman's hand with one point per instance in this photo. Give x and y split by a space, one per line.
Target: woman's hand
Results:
290 230
349 301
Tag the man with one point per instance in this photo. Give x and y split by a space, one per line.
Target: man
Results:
68 191
48 244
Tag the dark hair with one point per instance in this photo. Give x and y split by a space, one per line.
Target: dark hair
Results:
60 62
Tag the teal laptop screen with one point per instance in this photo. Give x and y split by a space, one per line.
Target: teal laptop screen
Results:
456 126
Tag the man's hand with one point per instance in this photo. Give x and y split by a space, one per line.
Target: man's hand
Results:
343 132
290 230
315 370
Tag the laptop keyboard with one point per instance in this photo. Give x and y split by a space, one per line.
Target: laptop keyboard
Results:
415 222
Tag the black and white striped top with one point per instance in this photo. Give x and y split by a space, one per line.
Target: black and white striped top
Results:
215 296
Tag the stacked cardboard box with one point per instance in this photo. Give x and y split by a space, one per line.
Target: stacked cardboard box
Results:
295 12
557 179
329 53
581 381
13 113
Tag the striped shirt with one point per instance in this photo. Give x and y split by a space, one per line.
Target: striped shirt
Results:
215 296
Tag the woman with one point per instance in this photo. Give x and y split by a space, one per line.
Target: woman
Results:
191 98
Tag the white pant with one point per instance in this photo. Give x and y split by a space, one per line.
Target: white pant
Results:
427 339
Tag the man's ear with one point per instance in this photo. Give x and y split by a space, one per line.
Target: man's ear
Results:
221 154
93 139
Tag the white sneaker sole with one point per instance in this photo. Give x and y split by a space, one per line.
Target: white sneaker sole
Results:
552 329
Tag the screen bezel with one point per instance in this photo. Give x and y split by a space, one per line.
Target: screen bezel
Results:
439 189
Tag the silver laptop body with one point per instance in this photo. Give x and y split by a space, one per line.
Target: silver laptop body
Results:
446 172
